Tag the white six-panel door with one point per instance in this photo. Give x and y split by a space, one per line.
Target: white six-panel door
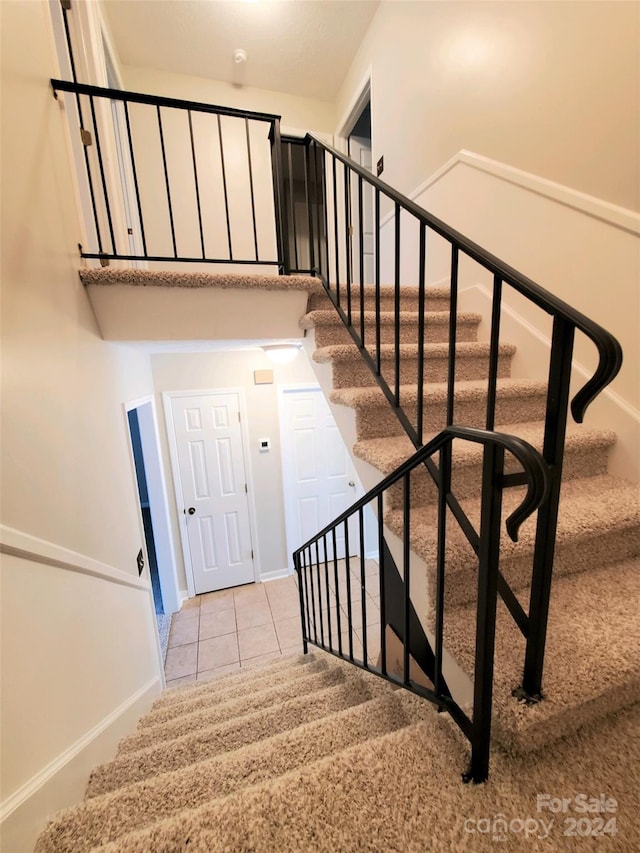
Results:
209 447
319 477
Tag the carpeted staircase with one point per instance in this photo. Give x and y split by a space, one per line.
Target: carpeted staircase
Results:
313 754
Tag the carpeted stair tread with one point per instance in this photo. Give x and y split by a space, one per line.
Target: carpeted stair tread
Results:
193 719
402 792
329 317
108 276
472 390
104 818
236 683
210 741
592 662
350 352
434 296
586 455
211 693
598 522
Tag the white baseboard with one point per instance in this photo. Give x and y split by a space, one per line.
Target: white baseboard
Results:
275 575
62 782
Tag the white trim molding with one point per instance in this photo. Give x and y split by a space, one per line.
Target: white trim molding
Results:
619 217
30 547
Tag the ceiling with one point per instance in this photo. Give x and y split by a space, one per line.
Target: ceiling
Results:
303 47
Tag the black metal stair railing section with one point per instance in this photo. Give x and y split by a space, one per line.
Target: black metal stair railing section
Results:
205 182
336 193
338 591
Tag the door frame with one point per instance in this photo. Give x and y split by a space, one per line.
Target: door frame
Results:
158 498
167 397
352 113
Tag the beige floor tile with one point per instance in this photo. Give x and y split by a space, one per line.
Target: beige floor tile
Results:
176 682
251 614
292 650
217 623
181 660
285 608
184 631
260 660
217 651
257 641
251 592
213 601
190 609
209 674
281 588
373 613
289 632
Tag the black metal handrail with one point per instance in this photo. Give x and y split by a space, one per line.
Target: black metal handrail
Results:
105 197
318 599
337 234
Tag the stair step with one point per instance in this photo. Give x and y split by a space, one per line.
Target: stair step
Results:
216 691
472 362
592 659
210 741
329 328
436 298
402 791
586 453
598 523
518 401
195 718
104 818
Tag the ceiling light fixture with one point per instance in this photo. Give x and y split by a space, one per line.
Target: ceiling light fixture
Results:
281 353
239 56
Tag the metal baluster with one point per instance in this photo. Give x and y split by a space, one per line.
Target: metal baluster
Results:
335 574
319 594
296 560
292 209
348 229
361 253
488 563
553 451
102 175
253 203
421 321
135 177
363 589
383 612
396 337
311 205
377 276
306 594
195 178
325 205
313 598
494 352
444 487
406 532
326 580
335 227
348 580
224 185
453 319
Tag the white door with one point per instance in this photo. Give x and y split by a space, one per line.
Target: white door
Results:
318 474
209 447
360 151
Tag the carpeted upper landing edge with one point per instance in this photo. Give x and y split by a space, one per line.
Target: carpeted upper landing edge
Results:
164 278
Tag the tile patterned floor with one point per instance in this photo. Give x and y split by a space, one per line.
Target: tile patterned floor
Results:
246 626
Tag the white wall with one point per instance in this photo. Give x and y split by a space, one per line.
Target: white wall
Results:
233 369
80 661
551 88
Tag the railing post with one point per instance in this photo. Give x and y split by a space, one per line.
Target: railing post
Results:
553 451
298 568
488 564
282 237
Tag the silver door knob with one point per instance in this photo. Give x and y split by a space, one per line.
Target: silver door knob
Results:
351 483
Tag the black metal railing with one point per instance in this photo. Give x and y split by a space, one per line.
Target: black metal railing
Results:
339 190
205 181
334 598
